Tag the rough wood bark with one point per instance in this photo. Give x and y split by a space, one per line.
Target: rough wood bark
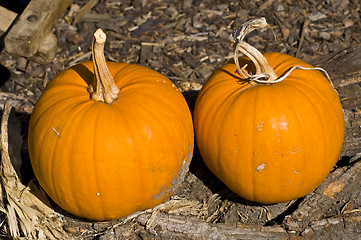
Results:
345 71
166 226
350 221
338 184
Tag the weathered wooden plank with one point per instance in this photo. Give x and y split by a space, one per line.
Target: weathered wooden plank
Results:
7 17
33 29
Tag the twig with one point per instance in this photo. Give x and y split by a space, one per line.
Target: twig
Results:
84 10
302 37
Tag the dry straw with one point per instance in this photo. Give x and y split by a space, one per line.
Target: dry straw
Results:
27 216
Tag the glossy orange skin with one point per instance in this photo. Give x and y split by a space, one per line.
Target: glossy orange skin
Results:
105 161
269 143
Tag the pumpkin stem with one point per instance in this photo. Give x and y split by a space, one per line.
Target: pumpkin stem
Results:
103 88
263 69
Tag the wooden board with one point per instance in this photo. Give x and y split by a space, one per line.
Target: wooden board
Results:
31 35
7 17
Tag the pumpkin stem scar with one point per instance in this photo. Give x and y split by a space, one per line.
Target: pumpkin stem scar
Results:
103 88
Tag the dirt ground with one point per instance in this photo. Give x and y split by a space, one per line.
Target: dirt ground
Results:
185 41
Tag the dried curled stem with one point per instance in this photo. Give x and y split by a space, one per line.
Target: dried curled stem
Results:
264 72
263 69
103 88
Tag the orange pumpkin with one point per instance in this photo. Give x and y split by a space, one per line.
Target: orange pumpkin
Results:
124 149
274 142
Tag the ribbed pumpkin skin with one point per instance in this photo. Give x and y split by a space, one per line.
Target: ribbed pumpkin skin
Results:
269 143
105 161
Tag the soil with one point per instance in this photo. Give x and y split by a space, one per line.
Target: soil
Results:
185 41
